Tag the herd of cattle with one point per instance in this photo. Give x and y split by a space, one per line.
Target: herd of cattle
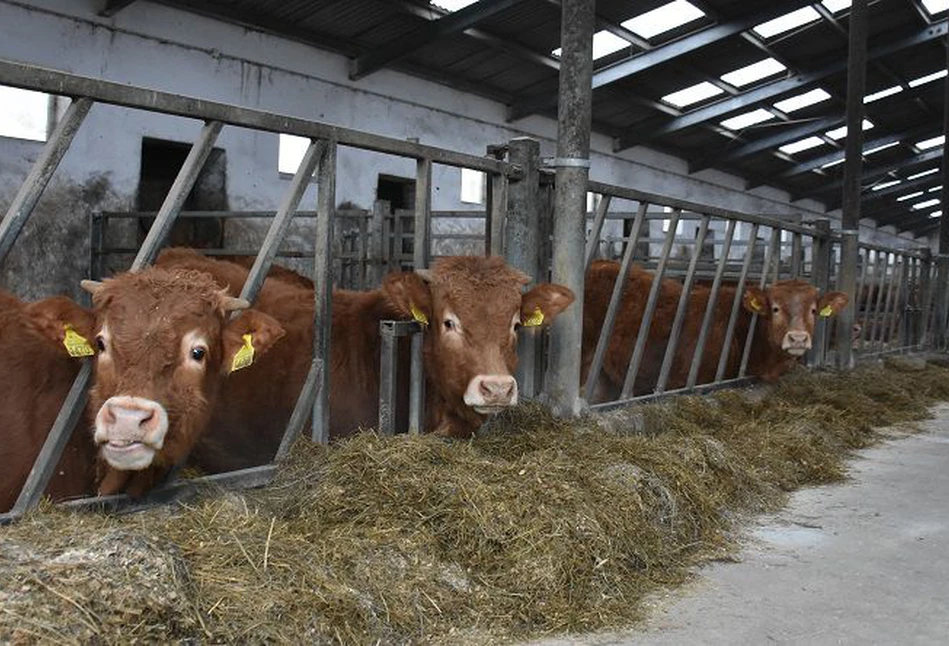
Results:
184 370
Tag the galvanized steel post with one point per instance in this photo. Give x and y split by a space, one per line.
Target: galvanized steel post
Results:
323 288
521 242
572 164
822 248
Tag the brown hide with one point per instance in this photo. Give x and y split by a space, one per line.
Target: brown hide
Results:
276 271
36 373
165 345
797 304
483 295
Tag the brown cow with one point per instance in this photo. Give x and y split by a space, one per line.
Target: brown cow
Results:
786 312
36 375
473 304
164 345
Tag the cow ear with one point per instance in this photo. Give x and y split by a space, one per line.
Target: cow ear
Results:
831 303
756 301
542 304
64 322
247 337
410 295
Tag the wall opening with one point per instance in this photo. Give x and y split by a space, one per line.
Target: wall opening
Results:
161 161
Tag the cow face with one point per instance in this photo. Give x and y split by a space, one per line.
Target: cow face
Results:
164 343
472 308
791 308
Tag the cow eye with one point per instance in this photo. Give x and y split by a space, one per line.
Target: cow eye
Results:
449 324
100 343
198 353
775 309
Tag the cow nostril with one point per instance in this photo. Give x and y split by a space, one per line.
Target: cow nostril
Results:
485 388
147 419
109 414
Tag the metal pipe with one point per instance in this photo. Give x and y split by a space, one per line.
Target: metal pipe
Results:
797 253
423 214
684 297
572 164
388 364
32 188
633 370
710 307
736 304
323 287
822 248
890 301
593 240
609 321
416 386
772 254
879 300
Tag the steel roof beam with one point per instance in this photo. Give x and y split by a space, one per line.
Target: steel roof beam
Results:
764 93
400 47
871 174
661 54
919 184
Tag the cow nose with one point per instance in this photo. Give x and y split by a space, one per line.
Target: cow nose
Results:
487 393
124 420
798 338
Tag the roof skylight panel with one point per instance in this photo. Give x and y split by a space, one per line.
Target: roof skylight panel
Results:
692 94
929 78
663 19
604 44
755 72
883 185
452 5
925 205
834 6
934 189
746 119
879 148
909 196
933 7
802 100
841 132
876 96
802 144
787 22
935 214
926 144
924 173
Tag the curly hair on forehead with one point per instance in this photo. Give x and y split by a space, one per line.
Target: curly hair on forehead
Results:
486 271
158 283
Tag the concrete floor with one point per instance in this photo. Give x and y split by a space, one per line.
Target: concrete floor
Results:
862 562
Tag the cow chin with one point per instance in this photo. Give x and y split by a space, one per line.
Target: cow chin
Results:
130 431
796 352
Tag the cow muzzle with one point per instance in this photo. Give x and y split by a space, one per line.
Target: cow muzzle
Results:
491 393
130 431
796 343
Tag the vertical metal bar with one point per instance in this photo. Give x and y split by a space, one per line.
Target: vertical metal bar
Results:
820 259
890 301
176 197
398 241
797 254
736 304
378 237
594 240
926 298
871 289
900 313
673 343
363 250
941 285
416 386
861 284
301 410
498 188
282 220
574 112
521 245
914 305
772 254
323 287
423 214
606 330
32 188
96 240
846 282
871 335
49 455
710 307
388 364
651 302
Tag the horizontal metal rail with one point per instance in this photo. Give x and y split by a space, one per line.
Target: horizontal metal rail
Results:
32 77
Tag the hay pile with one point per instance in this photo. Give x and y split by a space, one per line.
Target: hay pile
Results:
537 526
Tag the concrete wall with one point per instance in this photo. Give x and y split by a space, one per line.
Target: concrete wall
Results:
159 47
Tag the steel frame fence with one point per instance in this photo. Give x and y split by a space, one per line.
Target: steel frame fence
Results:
319 158
753 249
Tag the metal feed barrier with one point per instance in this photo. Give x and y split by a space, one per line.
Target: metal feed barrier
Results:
897 314
320 157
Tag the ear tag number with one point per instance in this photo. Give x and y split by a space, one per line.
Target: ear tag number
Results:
755 305
534 319
418 315
245 356
827 311
76 344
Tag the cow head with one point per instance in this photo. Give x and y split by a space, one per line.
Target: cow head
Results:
471 308
164 342
790 309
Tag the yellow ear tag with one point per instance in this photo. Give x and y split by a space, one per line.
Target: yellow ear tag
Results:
755 305
418 315
76 344
245 356
827 311
534 319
